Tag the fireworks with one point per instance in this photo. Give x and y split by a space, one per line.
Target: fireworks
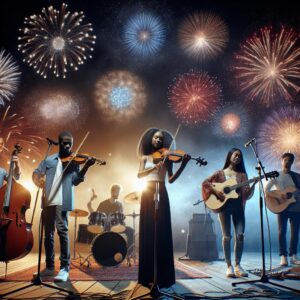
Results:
194 97
120 95
144 34
280 133
9 77
56 40
231 120
15 129
55 110
268 66
203 35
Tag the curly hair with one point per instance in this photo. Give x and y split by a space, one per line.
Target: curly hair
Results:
145 143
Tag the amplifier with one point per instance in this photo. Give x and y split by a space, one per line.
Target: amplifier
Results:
201 239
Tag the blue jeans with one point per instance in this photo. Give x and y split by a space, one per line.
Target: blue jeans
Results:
282 219
238 220
54 215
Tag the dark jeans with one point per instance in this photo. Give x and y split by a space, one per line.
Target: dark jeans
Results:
294 218
53 215
238 219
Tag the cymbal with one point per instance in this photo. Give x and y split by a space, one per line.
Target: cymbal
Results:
133 198
78 213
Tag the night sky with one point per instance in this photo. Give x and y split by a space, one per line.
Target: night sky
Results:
115 139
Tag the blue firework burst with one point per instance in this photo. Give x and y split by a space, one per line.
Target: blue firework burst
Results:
144 34
120 97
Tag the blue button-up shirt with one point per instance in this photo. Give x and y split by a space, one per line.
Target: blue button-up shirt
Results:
3 176
71 177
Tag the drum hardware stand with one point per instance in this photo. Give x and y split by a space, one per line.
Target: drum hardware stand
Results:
264 277
74 258
155 291
132 247
37 279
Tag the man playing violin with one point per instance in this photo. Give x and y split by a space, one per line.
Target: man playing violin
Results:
113 206
287 178
58 181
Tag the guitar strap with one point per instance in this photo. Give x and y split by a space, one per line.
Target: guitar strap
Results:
295 179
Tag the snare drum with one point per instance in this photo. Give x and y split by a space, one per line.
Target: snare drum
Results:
83 235
97 221
117 223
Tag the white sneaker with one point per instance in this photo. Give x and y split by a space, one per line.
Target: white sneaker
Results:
45 273
63 275
239 271
283 261
230 272
295 260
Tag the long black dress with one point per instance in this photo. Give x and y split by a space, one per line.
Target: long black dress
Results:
165 259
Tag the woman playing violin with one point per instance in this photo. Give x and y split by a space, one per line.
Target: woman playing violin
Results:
155 170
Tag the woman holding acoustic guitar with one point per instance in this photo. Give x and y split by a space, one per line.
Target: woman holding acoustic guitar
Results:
233 171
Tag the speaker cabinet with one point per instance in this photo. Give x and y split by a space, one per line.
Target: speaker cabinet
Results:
201 239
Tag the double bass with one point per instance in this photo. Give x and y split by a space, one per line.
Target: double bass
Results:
16 239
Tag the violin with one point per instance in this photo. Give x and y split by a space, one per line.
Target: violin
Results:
175 156
81 159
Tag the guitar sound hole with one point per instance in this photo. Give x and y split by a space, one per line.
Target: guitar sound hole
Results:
226 190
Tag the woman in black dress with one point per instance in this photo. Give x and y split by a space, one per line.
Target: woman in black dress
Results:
155 170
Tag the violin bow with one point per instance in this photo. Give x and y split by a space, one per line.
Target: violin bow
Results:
173 141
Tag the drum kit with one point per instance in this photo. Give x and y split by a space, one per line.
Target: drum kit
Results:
108 246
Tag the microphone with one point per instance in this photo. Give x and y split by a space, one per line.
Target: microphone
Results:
52 142
249 142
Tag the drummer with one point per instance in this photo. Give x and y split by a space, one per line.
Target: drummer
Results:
112 206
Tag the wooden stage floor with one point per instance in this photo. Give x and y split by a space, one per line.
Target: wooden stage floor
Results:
217 286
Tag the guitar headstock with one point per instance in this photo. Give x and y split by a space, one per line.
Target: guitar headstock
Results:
200 161
272 174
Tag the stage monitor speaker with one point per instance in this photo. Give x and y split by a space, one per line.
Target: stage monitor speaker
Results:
201 239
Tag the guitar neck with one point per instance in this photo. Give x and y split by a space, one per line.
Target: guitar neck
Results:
236 186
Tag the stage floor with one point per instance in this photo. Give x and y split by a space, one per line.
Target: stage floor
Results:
216 286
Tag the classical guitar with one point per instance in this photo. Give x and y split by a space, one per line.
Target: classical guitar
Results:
229 187
276 204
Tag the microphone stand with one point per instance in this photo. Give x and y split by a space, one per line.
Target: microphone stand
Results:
37 279
264 277
155 291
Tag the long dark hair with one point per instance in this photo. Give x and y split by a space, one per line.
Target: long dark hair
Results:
241 166
145 143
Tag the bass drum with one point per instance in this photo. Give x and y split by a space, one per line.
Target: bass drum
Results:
109 249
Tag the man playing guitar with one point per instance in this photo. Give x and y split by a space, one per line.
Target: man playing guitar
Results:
277 189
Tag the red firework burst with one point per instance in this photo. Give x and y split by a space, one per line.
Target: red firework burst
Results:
194 97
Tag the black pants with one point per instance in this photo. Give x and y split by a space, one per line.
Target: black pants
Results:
294 218
53 215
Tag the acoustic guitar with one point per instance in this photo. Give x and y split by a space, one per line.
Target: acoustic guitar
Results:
229 187
276 204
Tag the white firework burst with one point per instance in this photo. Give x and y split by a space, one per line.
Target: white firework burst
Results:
55 40
9 77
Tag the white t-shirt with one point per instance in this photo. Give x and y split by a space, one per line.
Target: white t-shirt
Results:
56 195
